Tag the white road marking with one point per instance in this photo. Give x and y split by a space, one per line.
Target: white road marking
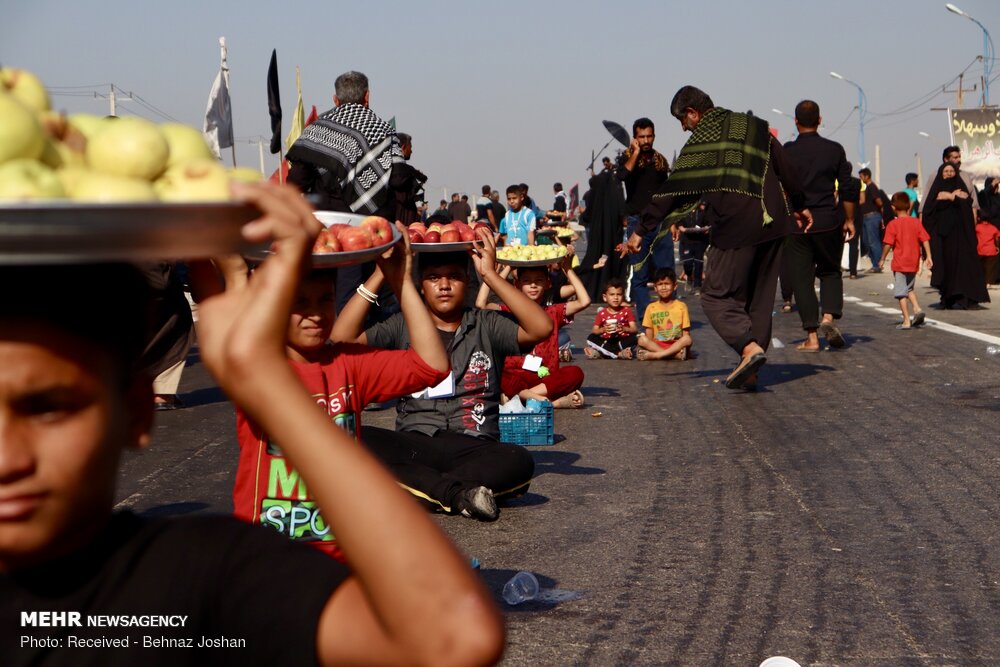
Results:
937 324
869 304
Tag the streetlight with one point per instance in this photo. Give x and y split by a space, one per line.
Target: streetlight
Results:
862 110
788 115
988 51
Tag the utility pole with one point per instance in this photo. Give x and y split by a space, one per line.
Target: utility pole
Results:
959 92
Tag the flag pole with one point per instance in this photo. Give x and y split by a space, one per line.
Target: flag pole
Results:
223 52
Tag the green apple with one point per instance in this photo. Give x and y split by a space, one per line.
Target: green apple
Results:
100 188
24 179
88 124
185 142
21 134
203 179
129 147
245 175
26 87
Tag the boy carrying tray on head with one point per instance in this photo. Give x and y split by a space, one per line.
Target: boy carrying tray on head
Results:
71 403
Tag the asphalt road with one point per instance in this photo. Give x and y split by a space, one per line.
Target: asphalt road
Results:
845 515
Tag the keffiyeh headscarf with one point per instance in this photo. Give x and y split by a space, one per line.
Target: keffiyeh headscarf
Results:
352 136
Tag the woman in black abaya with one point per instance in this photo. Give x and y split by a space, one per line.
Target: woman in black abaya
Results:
957 272
603 220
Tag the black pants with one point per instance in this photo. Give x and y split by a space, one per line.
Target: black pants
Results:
738 293
436 468
812 256
785 278
853 250
615 344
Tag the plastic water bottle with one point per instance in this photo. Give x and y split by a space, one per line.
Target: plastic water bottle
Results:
522 587
993 350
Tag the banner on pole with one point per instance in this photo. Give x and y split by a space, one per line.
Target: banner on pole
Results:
299 115
274 102
218 128
977 133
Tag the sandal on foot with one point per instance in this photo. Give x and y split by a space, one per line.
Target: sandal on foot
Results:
747 367
832 334
918 319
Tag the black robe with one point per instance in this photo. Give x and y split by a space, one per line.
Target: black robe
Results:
957 272
603 220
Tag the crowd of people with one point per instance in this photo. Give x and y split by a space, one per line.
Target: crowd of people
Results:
449 336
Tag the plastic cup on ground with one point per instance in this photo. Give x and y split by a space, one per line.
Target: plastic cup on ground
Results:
779 661
522 587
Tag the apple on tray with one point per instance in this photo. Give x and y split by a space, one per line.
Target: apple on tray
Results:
355 238
450 233
432 236
379 228
415 235
326 242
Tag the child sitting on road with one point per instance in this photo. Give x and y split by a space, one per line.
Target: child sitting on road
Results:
343 378
615 330
666 323
904 236
538 375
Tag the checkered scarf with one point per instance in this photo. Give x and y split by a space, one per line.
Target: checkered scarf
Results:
353 137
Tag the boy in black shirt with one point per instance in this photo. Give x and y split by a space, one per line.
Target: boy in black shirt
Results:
206 590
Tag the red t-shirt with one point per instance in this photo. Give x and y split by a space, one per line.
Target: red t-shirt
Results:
624 316
268 490
905 234
548 349
986 237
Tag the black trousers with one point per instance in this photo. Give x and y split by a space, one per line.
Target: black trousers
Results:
812 256
853 250
436 468
785 278
738 293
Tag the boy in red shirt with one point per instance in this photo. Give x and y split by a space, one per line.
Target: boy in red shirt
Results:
615 330
986 243
342 378
521 374
904 236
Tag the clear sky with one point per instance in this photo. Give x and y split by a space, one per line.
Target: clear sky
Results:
516 91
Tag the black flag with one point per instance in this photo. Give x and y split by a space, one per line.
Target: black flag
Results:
274 102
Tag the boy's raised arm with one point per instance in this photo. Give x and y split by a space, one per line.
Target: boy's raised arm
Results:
535 325
397 267
582 295
350 324
418 605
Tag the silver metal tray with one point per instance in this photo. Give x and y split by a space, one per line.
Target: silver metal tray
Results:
57 232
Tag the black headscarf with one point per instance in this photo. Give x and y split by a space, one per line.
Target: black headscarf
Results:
942 216
605 212
989 202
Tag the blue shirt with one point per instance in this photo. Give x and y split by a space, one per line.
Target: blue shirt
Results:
516 225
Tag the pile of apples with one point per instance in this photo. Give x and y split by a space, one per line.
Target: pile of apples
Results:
531 253
45 154
452 232
372 232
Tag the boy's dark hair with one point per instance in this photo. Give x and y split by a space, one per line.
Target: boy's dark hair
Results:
901 202
642 124
557 186
690 97
528 269
949 150
433 260
107 305
665 273
865 171
514 188
613 283
807 114
912 178
404 138
486 190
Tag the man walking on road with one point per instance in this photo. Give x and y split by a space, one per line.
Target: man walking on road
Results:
732 164
816 253
643 171
872 224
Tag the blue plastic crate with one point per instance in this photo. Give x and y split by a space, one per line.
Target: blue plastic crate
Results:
528 428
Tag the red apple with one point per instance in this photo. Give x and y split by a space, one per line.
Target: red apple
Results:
483 225
435 227
326 242
451 236
337 229
419 226
355 238
379 228
415 235
432 236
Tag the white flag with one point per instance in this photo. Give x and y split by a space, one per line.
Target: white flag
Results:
219 117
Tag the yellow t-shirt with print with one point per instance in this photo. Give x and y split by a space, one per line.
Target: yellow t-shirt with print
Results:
667 320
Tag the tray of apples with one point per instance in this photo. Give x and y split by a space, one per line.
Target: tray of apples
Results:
439 237
531 255
351 239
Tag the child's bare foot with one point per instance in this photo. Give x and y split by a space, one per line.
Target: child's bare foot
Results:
625 354
574 400
646 355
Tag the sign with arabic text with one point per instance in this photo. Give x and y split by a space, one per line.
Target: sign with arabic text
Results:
977 133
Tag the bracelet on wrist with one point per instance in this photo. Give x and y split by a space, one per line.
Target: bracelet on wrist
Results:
367 294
